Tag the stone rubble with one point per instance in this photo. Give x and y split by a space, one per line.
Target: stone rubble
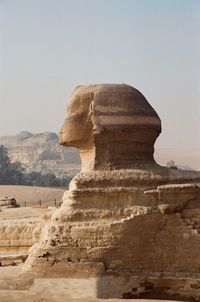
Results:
6 202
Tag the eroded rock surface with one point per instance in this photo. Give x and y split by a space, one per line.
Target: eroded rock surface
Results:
20 228
41 152
127 222
113 126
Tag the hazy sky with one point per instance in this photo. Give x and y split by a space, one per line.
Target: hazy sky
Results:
47 47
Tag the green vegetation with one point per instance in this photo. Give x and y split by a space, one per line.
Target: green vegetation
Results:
45 180
10 173
14 174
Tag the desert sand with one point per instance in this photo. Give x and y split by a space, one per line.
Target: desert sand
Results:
33 195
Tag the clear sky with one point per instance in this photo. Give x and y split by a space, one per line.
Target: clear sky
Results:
47 47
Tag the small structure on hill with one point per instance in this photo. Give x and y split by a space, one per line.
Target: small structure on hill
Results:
7 202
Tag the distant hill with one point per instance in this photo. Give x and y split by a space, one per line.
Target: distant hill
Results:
42 152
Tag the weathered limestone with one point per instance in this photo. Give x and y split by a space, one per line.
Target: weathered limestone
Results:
12 260
20 228
41 152
113 126
19 236
127 222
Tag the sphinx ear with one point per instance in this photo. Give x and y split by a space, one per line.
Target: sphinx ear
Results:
91 109
96 127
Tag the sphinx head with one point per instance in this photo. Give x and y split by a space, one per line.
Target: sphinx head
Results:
112 125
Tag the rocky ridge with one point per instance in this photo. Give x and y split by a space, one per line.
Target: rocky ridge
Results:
42 153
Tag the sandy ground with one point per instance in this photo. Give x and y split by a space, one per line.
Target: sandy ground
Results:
31 196
22 296
23 214
44 293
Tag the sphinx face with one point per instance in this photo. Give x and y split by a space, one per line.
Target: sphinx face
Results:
77 128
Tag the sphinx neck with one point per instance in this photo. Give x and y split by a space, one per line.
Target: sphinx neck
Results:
120 150
117 157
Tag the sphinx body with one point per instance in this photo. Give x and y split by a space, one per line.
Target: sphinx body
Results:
125 221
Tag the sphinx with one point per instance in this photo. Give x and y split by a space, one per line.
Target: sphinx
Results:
126 222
